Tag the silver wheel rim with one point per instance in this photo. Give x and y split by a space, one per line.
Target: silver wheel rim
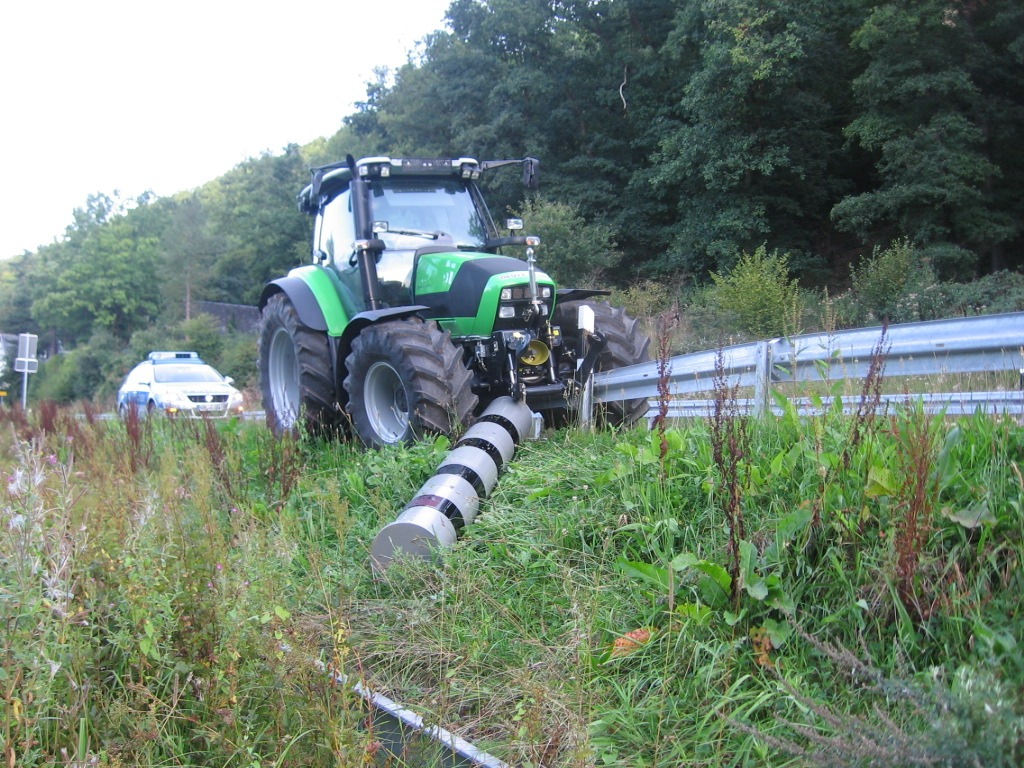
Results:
283 372
386 402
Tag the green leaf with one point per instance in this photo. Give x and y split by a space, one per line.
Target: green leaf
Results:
148 648
1001 642
794 523
282 613
756 588
719 575
828 460
945 468
753 583
880 482
973 517
778 631
652 574
732 619
693 612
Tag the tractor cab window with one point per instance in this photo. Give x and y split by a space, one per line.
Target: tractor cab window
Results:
421 212
336 230
409 214
335 237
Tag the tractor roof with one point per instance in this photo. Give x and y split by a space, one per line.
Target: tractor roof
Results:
327 178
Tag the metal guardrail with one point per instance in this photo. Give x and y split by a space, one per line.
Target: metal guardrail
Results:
990 343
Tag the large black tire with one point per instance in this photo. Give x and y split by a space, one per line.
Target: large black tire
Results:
296 377
627 345
406 379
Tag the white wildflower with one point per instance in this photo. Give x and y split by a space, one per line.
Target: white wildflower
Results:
16 482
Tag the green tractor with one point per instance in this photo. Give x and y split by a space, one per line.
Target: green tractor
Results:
409 321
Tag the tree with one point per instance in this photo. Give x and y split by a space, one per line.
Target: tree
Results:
189 249
754 152
252 208
938 138
100 277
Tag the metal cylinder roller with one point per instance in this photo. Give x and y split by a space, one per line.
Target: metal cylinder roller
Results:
451 497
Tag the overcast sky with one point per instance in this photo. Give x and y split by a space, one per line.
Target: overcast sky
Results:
137 95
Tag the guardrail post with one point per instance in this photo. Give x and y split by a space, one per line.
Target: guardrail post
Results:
763 376
587 323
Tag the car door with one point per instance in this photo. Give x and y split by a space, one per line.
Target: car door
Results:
136 387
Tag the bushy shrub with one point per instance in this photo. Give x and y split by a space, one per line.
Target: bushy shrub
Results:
834 313
202 333
897 284
998 292
238 359
760 294
572 251
74 375
53 381
950 262
648 298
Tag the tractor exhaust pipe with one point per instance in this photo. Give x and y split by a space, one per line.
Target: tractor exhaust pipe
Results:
450 499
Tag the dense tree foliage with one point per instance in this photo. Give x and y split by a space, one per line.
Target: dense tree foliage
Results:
682 133
939 96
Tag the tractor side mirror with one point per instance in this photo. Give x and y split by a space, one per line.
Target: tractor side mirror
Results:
531 173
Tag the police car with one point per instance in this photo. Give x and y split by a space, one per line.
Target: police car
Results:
178 383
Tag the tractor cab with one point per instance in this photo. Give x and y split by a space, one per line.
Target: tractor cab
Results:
409 208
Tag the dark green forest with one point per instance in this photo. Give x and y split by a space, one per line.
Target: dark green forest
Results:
678 138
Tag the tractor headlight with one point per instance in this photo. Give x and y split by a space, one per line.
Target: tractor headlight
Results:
506 312
506 294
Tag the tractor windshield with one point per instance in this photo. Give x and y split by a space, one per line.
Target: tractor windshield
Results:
412 213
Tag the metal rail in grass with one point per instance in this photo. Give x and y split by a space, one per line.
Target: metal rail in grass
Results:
938 348
403 734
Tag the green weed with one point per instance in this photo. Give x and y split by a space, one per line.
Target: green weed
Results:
781 591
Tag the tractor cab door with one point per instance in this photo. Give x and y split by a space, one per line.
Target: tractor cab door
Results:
333 243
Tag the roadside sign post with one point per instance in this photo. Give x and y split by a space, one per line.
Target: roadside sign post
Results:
26 362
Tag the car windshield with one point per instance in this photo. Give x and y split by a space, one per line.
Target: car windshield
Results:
422 212
185 374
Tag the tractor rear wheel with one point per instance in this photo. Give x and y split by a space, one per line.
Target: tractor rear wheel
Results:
627 345
406 379
296 375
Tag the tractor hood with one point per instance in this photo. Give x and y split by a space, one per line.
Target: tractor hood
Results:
467 287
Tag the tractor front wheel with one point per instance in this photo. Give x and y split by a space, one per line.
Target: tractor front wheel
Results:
406 379
296 376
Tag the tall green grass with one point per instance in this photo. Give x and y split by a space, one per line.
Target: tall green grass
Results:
838 590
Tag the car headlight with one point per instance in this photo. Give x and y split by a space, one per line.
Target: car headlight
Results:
235 401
